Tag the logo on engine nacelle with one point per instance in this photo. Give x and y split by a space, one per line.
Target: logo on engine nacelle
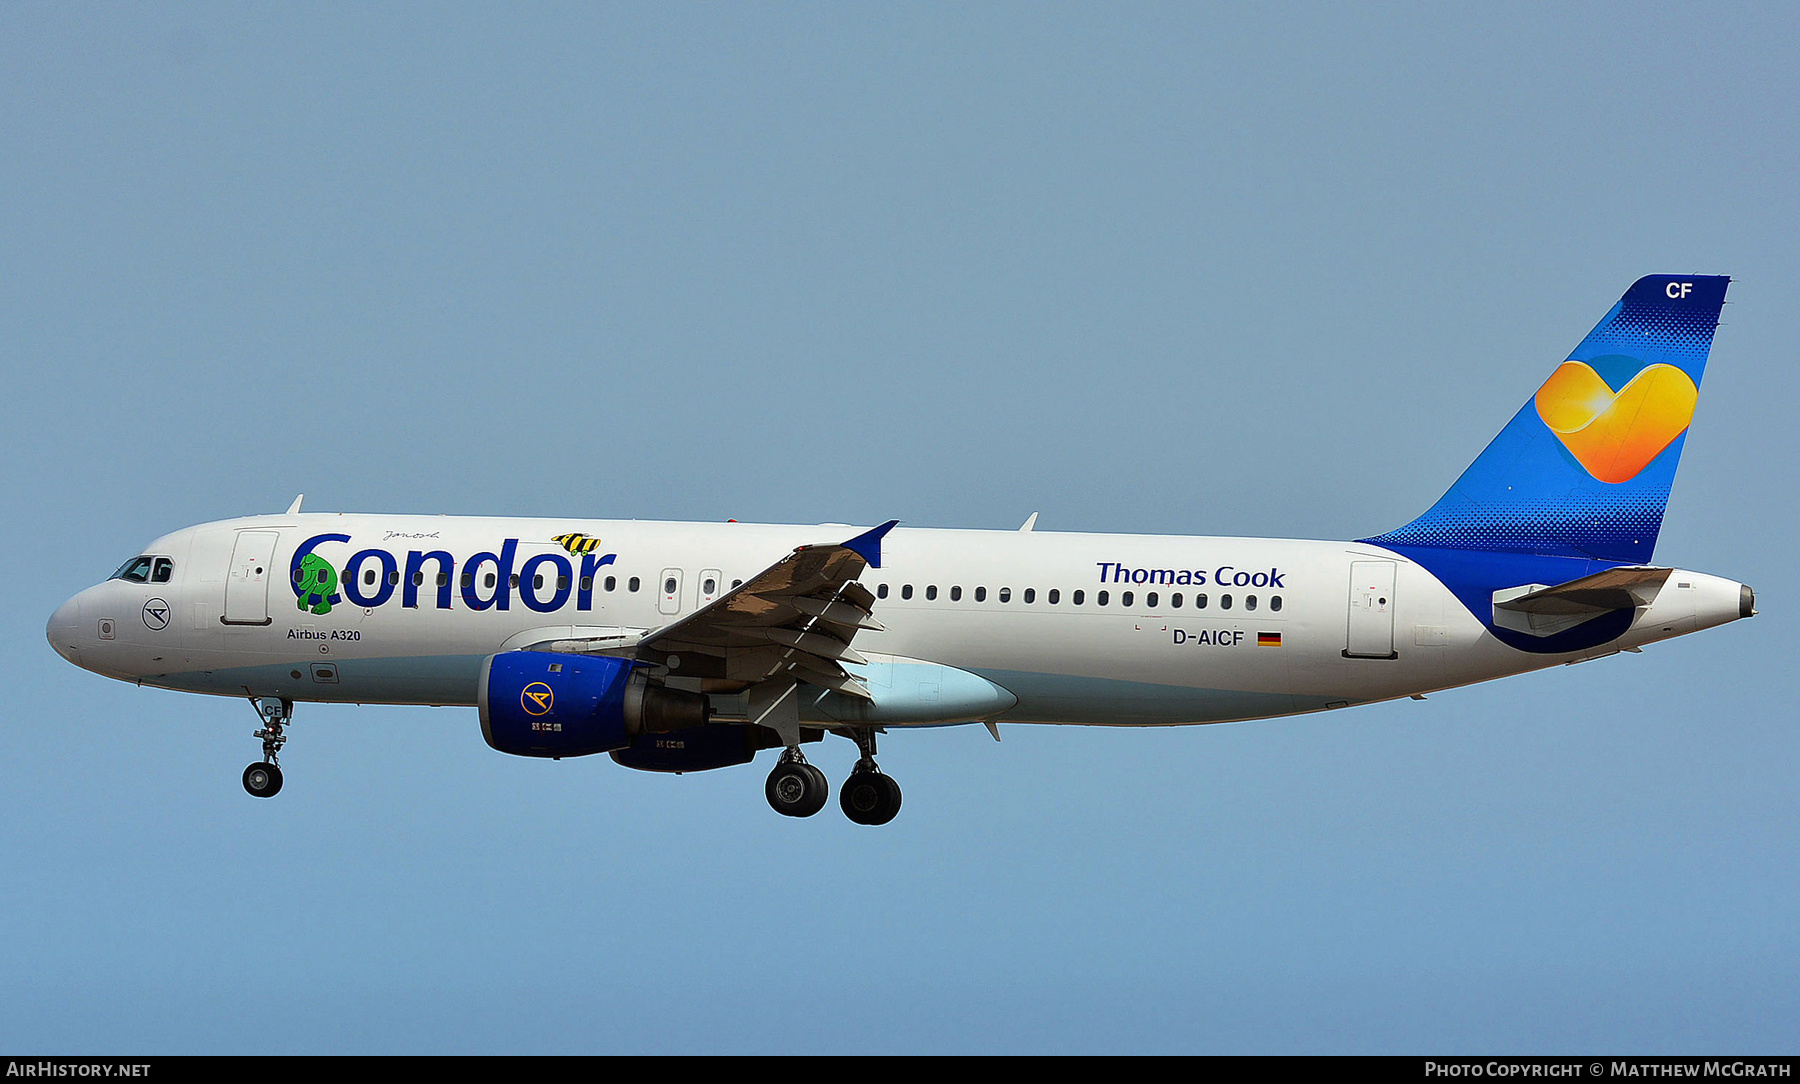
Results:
537 699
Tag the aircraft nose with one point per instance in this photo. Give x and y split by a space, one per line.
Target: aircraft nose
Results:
64 624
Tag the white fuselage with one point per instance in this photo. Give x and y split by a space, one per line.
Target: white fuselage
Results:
1080 628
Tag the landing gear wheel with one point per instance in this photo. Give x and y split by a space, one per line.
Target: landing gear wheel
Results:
796 789
262 780
870 797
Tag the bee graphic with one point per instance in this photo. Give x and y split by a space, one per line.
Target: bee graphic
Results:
577 543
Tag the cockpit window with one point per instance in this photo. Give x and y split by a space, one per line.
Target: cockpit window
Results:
146 569
136 570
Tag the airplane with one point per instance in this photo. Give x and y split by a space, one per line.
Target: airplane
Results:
678 647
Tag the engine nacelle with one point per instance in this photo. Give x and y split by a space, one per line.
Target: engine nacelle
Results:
548 704
697 749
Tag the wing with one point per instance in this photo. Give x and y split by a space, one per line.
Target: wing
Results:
792 622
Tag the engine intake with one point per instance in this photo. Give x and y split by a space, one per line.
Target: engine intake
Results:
548 704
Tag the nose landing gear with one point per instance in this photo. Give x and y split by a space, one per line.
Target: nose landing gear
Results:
262 779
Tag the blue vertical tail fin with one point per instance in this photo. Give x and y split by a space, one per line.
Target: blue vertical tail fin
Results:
1584 469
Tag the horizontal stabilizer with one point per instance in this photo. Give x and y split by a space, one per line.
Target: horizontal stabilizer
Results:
1543 610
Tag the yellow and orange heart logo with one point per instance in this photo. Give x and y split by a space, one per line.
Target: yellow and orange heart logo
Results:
1615 434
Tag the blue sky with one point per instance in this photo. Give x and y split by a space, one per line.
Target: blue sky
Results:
1279 270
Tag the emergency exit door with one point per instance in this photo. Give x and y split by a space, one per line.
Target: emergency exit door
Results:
670 600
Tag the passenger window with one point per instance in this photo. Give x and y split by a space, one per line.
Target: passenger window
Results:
1249 602
537 581
1100 599
710 585
1200 601
906 591
1077 598
981 594
368 577
1224 602
562 583
1275 603
612 583
632 584
587 585
1150 600
1055 596
735 584
488 580
1124 598
1031 594
1006 594
669 586
468 579
1175 600
443 579
956 594
931 592
881 591
164 569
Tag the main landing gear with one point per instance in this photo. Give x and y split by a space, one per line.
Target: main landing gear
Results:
868 796
263 778
797 789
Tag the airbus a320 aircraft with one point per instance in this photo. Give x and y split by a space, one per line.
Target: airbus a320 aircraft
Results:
681 647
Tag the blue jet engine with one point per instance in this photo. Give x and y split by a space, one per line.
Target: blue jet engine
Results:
546 704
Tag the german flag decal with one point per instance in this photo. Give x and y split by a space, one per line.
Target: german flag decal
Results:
1268 639
577 543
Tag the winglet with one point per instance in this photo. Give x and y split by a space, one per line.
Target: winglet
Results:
868 544
1030 522
295 507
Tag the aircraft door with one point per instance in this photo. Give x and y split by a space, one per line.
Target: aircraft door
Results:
247 582
1371 628
670 601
